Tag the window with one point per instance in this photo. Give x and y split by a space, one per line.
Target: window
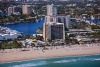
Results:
51 19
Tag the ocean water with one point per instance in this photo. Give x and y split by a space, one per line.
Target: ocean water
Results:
83 61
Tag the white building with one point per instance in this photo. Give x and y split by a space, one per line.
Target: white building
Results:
52 16
14 10
8 36
51 10
10 10
6 33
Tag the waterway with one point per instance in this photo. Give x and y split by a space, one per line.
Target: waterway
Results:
26 28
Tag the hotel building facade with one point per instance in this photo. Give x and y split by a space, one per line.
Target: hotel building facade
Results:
52 29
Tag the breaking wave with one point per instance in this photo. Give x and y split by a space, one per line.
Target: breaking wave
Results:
31 64
76 60
64 61
97 59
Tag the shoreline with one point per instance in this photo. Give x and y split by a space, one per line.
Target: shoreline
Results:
19 56
8 23
50 58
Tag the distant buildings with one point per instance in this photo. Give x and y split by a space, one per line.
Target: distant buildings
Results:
3 0
26 9
10 10
16 10
53 28
30 1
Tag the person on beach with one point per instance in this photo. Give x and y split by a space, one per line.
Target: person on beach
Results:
43 50
2 50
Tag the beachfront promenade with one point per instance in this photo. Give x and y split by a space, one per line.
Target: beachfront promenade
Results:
10 55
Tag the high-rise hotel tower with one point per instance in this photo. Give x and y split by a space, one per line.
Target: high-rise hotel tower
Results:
52 29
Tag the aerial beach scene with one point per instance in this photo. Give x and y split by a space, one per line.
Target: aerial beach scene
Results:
49 33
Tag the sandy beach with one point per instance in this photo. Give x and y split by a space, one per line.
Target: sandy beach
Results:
10 55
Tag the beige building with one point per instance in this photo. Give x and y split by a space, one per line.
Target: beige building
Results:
26 9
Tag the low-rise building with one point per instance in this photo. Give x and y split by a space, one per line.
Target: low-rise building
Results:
6 33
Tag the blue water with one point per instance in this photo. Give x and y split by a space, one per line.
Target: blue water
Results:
83 61
97 21
94 21
31 27
27 28
2 14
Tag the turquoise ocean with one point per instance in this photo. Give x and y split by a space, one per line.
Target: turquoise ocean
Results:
76 61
